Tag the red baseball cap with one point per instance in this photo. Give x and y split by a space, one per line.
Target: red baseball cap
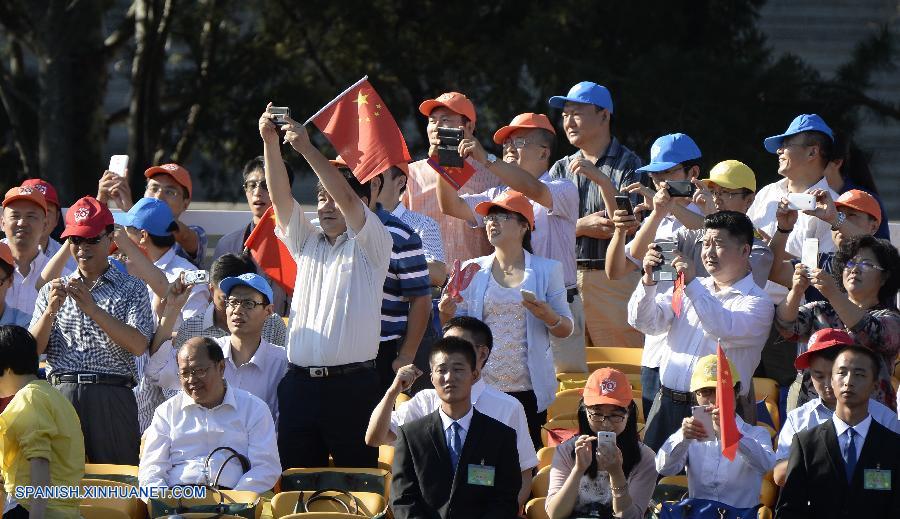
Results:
6 255
87 218
822 340
178 173
861 201
512 201
526 120
26 193
607 386
454 101
46 189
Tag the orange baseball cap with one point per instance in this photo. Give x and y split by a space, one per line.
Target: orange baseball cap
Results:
46 189
511 201
526 120
861 201
455 101
607 386
6 255
87 218
178 173
822 340
26 193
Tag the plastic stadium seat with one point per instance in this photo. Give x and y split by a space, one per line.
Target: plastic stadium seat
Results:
370 481
556 423
767 389
534 509
101 512
764 512
628 369
385 457
133 508
768 494
321 515
614 354
679 481
540 484
121 473
563 405
370 503
545 456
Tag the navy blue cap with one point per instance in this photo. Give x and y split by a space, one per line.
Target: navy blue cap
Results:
801 123
254 281
151 215
586 92
669 151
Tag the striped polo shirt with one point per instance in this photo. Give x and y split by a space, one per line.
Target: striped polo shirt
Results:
407 276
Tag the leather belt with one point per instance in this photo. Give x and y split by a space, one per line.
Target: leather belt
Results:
677 396
590 264
332 371
107 379
571 293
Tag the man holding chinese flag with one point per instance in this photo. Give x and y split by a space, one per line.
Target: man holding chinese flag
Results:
726 458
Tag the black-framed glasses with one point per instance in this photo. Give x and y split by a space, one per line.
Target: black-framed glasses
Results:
78 240
600 417
863 265
251 185
198 372
246 304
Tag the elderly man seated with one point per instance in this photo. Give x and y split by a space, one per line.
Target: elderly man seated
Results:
208 415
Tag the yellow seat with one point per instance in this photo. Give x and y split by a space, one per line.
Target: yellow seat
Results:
383 475
208 515
628 369
402 398
767 389
678 481
764 512
557 423
614 354
534 509
133 508
545 456
570 392
370 503
212 498
768 494
101 512
385 457
577 380
565 404
540 483
322 515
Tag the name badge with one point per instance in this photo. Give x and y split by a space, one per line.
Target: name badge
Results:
481 475
874 479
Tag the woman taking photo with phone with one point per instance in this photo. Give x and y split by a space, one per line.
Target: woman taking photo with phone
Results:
522 298
594 478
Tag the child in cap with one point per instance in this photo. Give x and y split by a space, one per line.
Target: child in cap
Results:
710 474
591 479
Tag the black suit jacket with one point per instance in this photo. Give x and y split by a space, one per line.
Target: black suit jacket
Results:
816 475
423 486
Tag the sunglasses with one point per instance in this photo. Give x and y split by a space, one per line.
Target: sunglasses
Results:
78 240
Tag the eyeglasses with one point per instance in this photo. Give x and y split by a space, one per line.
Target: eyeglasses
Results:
246 304
155 189
863 265
78 240
251 185
729 195
611 418
519 143
498 217
195 372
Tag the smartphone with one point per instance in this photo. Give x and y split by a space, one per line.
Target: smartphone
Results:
680 188
279 113
118 164
623 203
665 271
801 201
528 295
606 438
810 253
448 148
704 416
195 277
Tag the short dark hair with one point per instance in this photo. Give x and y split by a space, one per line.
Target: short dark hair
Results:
828 354
688 164
450 345
361 190
259 163
823 142
526 239
887 257
480 331
163 242
867 352
230 265
18 351
737 224
396 172
548 139
213 350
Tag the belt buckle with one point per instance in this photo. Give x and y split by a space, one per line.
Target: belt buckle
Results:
86 378
318 372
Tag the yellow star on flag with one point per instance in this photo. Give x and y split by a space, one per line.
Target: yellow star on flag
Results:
361 99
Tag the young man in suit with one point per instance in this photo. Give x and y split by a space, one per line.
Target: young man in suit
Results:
455 462
848 466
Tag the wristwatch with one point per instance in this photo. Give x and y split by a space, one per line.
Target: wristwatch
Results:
839 221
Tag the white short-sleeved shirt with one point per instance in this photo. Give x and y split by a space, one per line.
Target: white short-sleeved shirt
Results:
335 314
489 401
765 206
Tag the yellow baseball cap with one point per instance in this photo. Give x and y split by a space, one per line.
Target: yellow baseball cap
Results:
732 174
706 372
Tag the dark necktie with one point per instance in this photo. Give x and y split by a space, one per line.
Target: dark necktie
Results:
454 445
850 457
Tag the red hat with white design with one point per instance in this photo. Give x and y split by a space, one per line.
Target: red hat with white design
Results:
46 189
607 386
87 218
29 194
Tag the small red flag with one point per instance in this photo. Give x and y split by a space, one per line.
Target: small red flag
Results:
678 294
270 254
362 131
456 177
730 436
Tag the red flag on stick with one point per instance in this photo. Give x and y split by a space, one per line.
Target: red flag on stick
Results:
363 131
270 254
730 436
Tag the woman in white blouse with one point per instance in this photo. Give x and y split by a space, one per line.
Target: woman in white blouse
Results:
591 479
522 298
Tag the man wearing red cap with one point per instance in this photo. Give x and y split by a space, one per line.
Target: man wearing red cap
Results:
92 324
23 220
461 242
172 184
49 246
528 143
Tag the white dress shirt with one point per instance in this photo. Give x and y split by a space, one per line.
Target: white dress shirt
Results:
464 423
739 316
861 429
21 294
815 412
336 309
765 205
183 434
172 266
260 376
488 401
713 476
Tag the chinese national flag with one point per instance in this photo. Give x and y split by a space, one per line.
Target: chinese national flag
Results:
730 436
270 254
363 131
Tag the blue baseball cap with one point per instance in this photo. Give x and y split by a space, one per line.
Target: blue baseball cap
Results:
669 151
801 123
151 215
254 281
586 92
